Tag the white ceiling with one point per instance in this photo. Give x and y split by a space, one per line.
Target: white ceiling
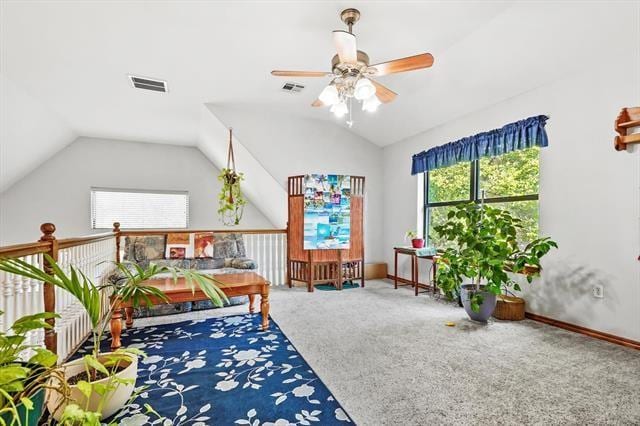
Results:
75 57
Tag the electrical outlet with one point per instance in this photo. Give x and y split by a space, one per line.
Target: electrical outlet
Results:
598 291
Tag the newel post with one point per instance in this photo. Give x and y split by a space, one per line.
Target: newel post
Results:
49 290
116 230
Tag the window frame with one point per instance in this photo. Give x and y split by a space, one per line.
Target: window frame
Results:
474 196
93 190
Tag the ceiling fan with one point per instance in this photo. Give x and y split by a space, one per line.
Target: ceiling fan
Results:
351 75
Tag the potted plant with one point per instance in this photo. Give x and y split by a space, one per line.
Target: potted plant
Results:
99 384
231 201
415 241
23 383
484 249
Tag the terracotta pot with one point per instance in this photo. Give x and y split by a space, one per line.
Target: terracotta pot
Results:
114 400
417 243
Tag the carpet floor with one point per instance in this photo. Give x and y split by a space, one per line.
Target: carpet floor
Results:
390 360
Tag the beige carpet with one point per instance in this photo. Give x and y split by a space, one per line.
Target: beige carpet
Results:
389 359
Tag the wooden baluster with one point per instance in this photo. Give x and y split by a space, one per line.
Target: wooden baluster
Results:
116 230
49 291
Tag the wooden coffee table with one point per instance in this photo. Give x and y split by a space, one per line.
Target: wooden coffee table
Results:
243 284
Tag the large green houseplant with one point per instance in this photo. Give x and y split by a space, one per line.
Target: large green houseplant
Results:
24 371
99 384
483 248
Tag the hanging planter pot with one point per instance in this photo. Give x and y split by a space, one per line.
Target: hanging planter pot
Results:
231 202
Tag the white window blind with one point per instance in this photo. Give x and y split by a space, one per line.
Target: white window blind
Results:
139 208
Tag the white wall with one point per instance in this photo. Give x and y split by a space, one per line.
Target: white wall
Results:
58 191
30 133
258 186
287 145
589 194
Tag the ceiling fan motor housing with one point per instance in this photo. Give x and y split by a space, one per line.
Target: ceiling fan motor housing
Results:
350 16
341 68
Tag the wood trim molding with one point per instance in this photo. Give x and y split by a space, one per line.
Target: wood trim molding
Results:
611 338
584 330
127 232
409 282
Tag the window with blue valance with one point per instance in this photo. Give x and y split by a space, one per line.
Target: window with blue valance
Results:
516 136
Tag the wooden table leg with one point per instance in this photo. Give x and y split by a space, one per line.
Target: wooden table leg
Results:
416 277
116 329
413 271
434 266
264 307
252 297
395 271
128 315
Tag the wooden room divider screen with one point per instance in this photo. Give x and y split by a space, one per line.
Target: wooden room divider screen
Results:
324 266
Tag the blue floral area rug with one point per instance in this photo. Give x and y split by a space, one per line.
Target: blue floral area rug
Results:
224 371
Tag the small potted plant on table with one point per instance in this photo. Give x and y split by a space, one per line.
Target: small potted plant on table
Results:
484 244
99 384
415 241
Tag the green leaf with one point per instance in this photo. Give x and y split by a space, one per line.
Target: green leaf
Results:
27 403
43 357
85 387
11 373
92 362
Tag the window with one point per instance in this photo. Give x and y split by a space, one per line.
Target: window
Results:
139 209
509 182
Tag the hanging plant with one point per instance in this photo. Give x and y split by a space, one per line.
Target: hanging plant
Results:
231 201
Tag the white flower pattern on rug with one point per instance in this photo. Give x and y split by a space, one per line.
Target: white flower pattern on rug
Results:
224 371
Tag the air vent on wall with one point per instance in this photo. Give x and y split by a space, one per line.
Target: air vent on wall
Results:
292 87
148 84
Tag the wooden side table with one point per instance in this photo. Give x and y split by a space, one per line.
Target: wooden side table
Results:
415 281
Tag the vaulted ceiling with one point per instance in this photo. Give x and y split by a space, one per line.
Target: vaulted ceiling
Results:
74 58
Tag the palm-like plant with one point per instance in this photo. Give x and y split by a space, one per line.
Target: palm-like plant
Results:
131 289
101 301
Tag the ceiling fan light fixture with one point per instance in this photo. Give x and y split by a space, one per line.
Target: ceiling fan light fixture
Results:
364 89
329 95
339 109
371 104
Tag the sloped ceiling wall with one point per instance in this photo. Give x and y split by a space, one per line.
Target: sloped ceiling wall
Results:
30 133
288 146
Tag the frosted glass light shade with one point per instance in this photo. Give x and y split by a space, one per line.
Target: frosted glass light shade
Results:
339 109
329 95
364 89
371 104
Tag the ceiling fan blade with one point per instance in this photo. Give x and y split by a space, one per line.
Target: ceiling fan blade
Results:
424 60
317 103
345 46
384 94
281 73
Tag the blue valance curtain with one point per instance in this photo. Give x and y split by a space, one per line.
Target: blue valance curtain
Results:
522 134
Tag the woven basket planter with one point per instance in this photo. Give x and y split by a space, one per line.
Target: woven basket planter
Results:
509 308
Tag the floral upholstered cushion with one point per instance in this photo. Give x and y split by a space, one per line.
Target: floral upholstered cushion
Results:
174 263
224 246
242 252
243 263
139 249
207 264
